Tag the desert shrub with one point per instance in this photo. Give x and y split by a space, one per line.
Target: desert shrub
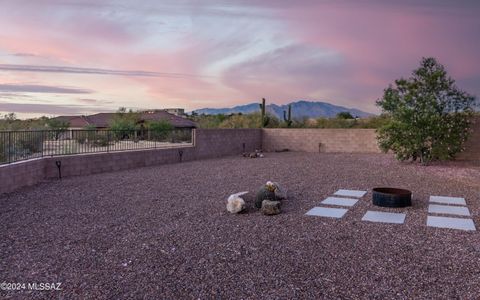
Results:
29 142
58 127
124 124
180 135
253 120
373 122
100 140
345 115
159 130
80 136
335 123
429 116
209 121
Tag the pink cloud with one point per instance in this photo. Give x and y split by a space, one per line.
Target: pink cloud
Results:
232 52
377 43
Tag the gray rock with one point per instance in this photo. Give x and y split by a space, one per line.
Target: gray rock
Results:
270 207
235 204
280 192
264 194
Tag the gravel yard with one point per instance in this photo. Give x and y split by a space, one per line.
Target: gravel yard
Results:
163 232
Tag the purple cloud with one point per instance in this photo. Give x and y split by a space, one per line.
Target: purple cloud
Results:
50 109
32 88
92 71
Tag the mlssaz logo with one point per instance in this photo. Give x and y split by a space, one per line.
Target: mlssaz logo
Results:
45 286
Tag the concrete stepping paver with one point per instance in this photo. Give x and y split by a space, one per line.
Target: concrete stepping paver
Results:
350 193
448 200
327 212
340 201
448 209
452 223
384 217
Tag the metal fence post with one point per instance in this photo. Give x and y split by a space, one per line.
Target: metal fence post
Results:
9 147
43 141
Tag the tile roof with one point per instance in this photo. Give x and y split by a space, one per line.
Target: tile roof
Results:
74 121
102 120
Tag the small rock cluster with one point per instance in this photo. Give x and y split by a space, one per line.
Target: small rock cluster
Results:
267 199
256 154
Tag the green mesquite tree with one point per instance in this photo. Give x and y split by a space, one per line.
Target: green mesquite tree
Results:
430 116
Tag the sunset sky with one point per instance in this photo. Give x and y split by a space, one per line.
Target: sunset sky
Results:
80 57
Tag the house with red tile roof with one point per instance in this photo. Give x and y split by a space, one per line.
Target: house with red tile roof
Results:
103 120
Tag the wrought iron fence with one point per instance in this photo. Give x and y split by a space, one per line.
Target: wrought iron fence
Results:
23 145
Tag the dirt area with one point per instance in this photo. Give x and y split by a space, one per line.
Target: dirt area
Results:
163 232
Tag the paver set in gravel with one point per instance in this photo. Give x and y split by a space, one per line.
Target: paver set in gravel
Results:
449 207
163 232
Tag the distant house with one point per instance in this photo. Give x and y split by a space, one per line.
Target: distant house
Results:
176 111
75 122
103 120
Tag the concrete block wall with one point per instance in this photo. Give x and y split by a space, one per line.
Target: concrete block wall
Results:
321 140
223 142
19 174
115 161
208 143
472 146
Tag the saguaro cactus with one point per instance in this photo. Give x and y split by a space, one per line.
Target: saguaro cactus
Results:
288 119
265 118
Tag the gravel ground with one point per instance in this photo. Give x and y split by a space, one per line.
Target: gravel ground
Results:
163 232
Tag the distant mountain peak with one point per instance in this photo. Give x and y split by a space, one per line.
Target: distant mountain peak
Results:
300 109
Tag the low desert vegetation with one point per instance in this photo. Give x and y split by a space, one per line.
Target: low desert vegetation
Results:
254 120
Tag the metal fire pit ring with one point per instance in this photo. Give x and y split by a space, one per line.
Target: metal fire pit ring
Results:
391 197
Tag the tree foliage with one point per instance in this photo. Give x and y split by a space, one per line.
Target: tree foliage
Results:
345 115
125 120
57 126
160 129
429 116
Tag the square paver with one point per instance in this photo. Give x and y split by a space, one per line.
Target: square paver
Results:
384 217
448 200
350 193
340 201
452 223
327 212
448 209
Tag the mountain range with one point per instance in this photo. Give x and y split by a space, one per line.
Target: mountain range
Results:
300 109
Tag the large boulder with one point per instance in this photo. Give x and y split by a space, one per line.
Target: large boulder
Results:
265 192
270 207
270 191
